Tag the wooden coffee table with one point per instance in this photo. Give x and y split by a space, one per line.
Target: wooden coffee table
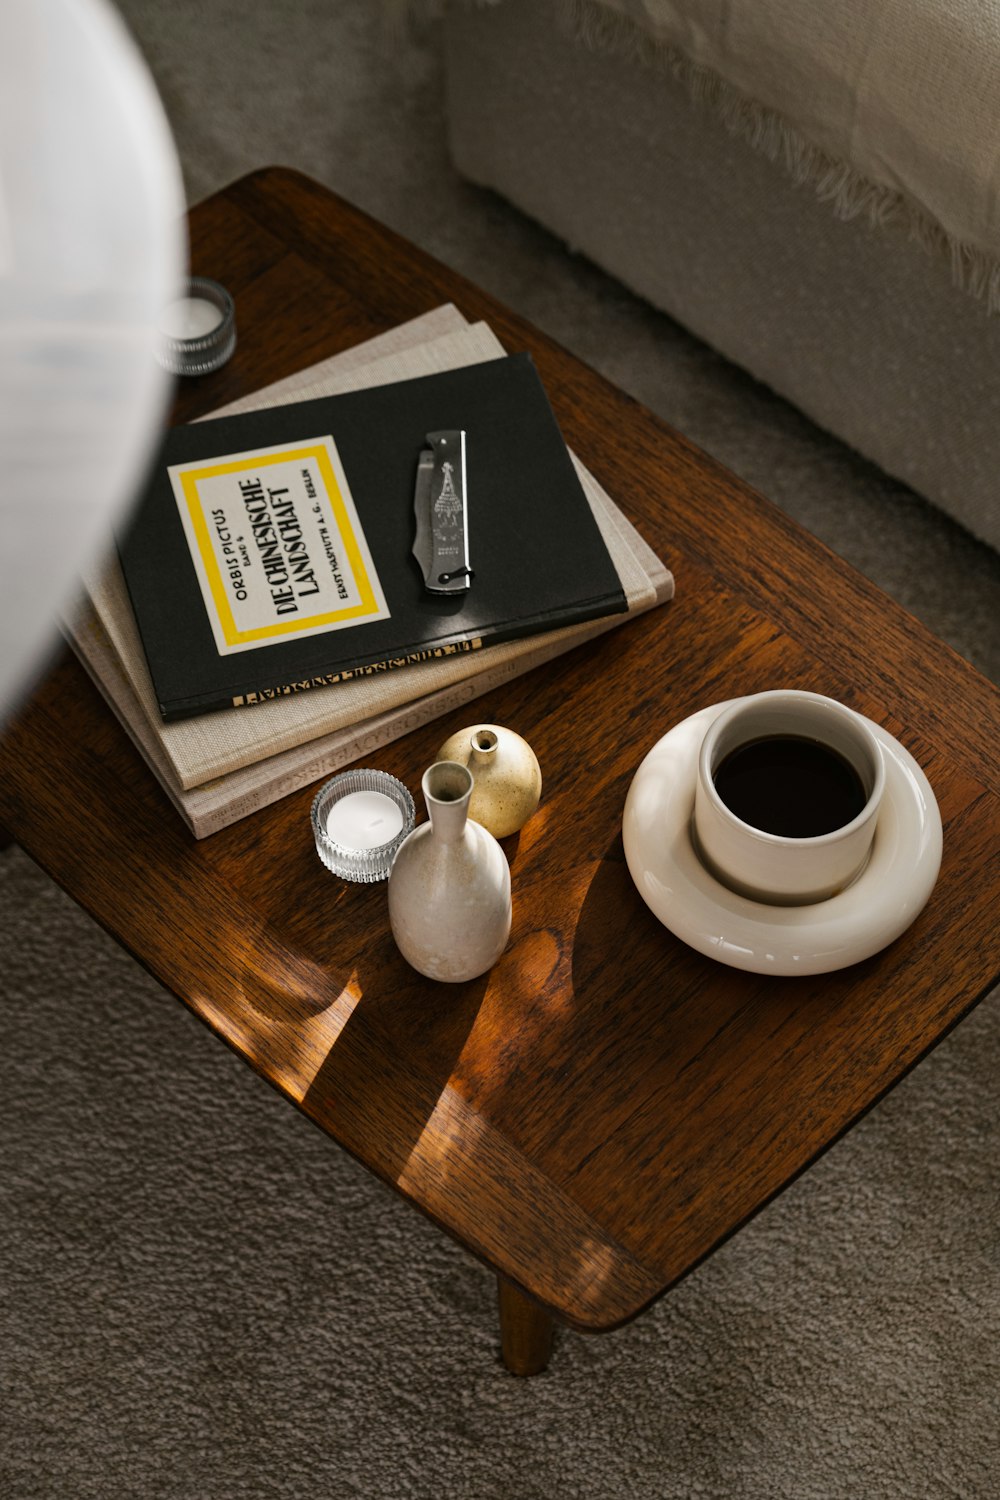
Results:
603 1109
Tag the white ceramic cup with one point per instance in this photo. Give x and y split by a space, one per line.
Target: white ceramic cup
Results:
772 867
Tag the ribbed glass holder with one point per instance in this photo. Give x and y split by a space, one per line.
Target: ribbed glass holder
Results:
364 865
208 351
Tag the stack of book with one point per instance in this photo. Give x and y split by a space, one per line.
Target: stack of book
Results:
218 764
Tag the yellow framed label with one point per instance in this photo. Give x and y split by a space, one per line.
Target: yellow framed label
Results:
277 545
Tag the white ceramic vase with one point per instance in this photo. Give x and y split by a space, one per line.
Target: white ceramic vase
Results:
449 886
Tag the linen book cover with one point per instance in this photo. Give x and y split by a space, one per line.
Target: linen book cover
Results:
275 547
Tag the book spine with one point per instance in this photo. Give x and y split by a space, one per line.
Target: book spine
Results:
351 674
598 610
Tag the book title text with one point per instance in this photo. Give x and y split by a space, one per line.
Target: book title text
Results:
283 554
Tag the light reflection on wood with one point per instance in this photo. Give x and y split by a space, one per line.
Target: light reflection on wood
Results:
291 1053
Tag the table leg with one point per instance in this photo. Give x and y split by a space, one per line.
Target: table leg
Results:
525 1331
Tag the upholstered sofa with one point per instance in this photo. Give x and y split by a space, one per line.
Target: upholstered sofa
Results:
811 186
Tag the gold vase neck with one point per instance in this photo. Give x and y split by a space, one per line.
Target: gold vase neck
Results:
484 746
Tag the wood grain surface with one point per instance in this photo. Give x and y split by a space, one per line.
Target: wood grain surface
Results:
605 1107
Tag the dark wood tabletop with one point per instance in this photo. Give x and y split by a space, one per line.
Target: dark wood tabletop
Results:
605 1107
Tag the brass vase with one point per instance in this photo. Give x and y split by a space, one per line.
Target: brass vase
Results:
506 778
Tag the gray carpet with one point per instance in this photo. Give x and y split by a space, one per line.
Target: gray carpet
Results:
199 1295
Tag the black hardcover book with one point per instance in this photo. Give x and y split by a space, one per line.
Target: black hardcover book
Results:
272 551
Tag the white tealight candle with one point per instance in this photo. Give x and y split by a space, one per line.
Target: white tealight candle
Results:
190 318
364 820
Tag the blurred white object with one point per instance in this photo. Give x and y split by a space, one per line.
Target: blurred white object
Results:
92 248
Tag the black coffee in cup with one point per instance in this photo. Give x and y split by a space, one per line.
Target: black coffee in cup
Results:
790 785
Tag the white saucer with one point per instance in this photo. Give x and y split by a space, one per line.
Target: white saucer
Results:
859 921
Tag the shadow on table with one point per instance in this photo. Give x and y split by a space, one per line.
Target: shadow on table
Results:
383 1087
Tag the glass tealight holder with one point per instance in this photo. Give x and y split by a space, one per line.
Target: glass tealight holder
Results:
359 820
197 331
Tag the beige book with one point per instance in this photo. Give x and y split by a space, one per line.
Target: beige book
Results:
224 800
219 767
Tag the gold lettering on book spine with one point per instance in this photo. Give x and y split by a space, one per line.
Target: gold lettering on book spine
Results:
432 653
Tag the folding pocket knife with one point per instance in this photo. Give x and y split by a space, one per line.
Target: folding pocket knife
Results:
440 504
